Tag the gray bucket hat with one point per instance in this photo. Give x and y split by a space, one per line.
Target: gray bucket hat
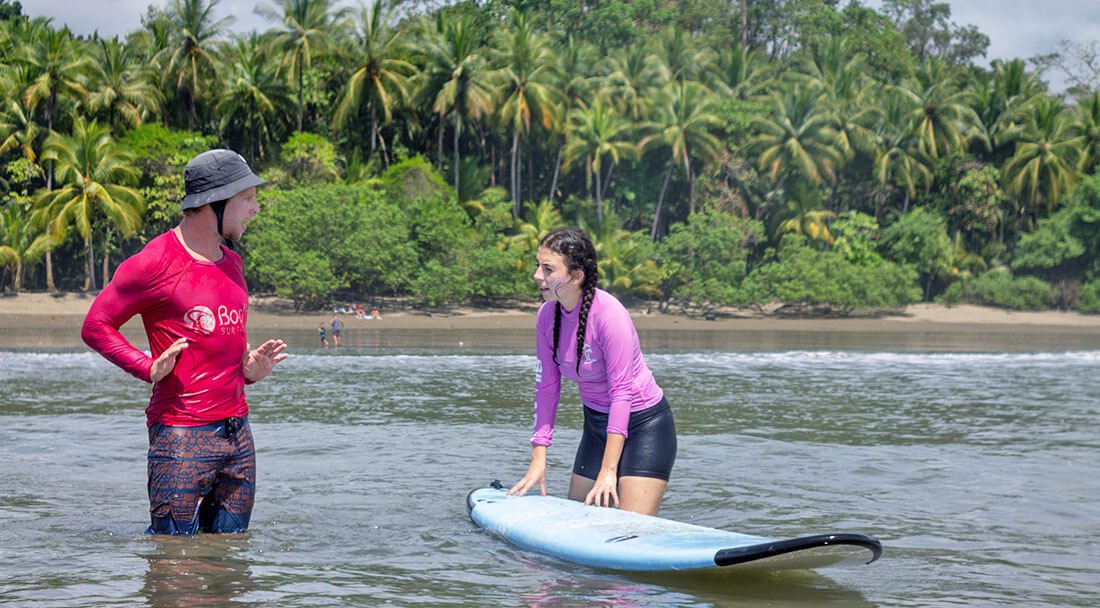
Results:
216 175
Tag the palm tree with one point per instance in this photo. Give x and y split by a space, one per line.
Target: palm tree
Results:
153 47
120 86
596 132
998 98
740 72
958 263
797 138
675 49
254 100
940 112
1086 125
542 219
54 70
683 117
455 79
897 159
525 85
1041 170
92 171
309 28
803 215
842 76
18 130
382 76
623 265
21 242
575 60
634 75
193 61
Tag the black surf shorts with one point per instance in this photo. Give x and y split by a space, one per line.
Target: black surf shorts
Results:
649 450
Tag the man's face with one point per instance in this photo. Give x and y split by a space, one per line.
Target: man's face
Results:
241 208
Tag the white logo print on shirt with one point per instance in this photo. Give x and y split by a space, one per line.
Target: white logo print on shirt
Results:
587 355
200 319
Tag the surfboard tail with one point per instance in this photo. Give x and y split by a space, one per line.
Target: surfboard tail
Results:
826 549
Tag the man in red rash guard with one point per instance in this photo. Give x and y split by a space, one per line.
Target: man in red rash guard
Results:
189 289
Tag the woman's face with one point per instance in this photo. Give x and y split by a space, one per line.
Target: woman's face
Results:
554 280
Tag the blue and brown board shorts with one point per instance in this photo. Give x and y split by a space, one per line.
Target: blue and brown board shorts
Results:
201 478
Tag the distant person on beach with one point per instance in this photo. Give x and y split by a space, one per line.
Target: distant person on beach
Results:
189 289
359 312
374 314
337 325
321 334
628 444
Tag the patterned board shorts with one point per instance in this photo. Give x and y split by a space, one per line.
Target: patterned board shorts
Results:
201 478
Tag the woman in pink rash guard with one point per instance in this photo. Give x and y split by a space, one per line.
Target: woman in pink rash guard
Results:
583 333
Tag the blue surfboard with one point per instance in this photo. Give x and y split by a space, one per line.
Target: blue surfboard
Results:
620 540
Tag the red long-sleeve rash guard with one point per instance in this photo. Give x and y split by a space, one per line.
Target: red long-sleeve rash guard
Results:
178 296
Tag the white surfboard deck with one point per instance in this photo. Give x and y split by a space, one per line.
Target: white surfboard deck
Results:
613 539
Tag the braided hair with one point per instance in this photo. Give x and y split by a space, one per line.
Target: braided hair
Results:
574 246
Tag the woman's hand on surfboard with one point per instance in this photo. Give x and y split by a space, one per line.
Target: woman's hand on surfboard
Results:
536 474
605 492
166 362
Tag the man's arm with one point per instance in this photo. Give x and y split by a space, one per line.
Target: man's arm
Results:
126 295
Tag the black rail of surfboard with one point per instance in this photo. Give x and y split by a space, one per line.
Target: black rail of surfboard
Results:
741 555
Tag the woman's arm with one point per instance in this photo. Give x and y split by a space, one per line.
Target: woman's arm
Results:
606 491
536 473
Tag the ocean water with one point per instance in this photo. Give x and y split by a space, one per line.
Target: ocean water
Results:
974 464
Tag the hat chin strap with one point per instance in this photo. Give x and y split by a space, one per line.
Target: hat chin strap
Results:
218 207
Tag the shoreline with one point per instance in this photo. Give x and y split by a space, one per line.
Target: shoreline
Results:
31 320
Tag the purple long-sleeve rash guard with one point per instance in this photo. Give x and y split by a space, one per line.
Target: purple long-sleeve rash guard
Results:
613 379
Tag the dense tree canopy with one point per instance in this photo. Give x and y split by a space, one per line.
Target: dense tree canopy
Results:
774 153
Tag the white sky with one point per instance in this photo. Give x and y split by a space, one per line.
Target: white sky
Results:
1016 28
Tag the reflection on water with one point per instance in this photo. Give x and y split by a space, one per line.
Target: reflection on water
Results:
975 469
206 570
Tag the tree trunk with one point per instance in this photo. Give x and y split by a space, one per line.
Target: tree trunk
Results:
89 269
554 181
191 115
493 164
599 199
373 132
691 188
104 277
607 180
50 285
385 150
439 145
301 106
880 197
458 127
514 174
660 202
745 24
17 278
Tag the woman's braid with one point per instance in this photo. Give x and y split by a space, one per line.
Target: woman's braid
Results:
574 246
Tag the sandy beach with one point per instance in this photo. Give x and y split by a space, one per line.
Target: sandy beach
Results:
38 319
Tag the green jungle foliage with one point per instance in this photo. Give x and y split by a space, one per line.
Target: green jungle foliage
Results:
806 155
1000 288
